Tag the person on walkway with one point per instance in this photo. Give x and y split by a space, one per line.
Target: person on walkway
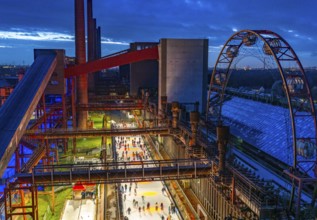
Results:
129 211
156 206
148 205
162 206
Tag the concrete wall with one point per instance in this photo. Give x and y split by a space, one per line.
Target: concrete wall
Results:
174 150
145 73
183 67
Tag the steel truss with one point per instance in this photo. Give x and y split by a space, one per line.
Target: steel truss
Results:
69 133
109 106
13 209
117 172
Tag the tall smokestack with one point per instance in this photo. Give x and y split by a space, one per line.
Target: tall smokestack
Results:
91 31
82 91
91 43
98 43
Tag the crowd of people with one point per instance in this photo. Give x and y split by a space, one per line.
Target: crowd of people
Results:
135 199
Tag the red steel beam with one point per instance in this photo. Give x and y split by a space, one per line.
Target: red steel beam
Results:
109 62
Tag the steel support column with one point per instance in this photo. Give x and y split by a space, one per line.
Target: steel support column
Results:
13 209
64 108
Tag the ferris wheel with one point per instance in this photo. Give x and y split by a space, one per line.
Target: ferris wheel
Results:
273 52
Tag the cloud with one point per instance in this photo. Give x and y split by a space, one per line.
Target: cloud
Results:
35 36
5 46
215 49
111 41
47 36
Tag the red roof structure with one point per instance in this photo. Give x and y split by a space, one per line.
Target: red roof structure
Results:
79 187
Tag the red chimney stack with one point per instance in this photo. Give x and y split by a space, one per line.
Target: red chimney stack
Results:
82 90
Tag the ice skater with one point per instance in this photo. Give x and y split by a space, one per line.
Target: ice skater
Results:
163 190
143 199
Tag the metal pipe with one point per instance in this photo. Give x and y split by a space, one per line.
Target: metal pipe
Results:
175 114
194 120
223 134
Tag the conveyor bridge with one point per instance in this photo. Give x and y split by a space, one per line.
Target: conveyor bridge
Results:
17 111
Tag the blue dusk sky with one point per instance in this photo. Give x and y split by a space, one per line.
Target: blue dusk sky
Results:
25 25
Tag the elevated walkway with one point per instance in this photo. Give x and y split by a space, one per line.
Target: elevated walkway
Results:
17 110
108 98
110 106
70 133
118 172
